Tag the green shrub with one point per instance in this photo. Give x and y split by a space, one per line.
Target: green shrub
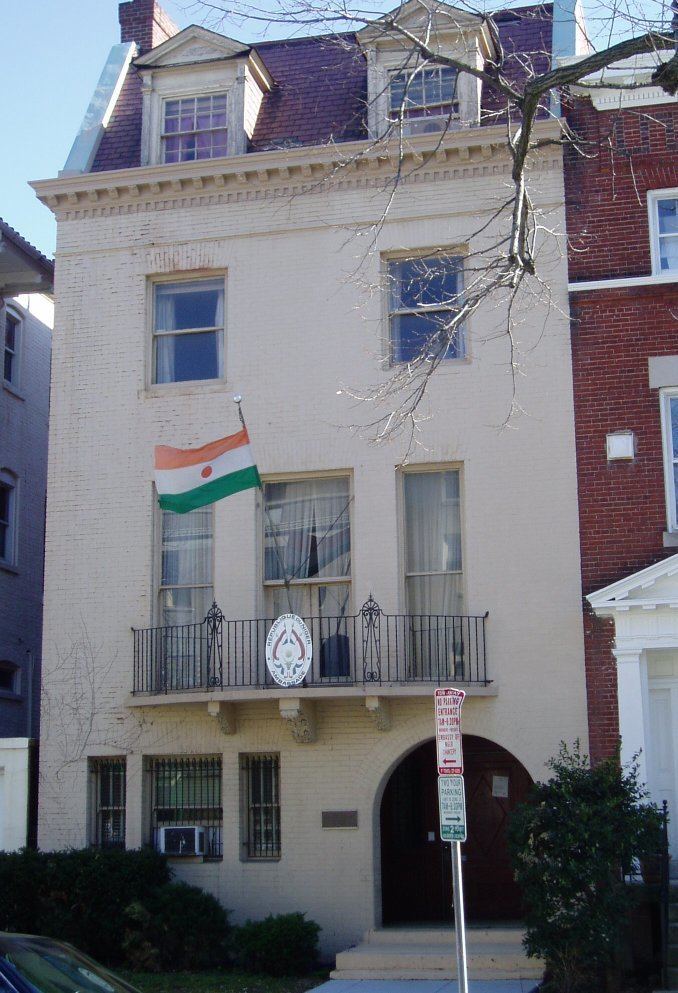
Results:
281 945
571 843
176 927
79 896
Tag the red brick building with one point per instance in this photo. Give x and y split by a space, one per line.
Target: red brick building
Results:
622 216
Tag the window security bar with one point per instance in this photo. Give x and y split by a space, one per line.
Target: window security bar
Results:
186 810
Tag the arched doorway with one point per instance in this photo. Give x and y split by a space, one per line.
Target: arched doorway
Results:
416 881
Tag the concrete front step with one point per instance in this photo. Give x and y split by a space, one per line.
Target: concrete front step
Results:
403 937
421 953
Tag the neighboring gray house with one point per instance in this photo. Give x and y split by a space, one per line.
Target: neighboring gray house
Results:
26 320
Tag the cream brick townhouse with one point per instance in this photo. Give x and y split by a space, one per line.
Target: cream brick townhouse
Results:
206 247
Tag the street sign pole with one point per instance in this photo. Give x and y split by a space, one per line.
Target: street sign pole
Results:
459 922
452 803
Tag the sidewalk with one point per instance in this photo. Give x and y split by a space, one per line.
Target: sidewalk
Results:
424 986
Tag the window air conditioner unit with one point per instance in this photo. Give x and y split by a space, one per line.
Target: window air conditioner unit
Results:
182 840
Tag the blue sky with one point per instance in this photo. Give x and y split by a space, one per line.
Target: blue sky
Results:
53 53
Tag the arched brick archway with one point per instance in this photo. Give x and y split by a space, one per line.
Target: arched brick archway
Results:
415 864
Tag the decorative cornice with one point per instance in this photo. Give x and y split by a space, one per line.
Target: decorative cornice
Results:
261 175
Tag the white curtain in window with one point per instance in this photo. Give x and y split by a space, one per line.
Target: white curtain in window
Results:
165 318
312 526
433 543
186 566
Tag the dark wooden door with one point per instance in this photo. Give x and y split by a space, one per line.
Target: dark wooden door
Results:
415 864
416 870
495 782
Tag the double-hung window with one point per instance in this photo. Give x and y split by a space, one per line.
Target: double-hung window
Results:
11 348
186 795
186 591
425 294
188 330
425 99
260 801
8 516
194 128
108 803
433 575
669 415
307 562
307 540
663 206
433 570
10 678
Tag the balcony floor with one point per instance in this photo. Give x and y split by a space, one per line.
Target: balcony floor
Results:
245 694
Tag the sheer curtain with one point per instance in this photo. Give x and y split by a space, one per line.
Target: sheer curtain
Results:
433 543
311 522
186 576
164 320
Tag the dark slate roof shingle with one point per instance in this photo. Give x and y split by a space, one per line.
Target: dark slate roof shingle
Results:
320 90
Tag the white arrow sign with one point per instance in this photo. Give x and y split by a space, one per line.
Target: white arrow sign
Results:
452 808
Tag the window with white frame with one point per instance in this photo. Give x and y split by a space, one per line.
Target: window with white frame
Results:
425 294
194 128
8 517
425 99
186 591
108 784
663 206
260 803
12 339
669 416
307 540
10 678
188 330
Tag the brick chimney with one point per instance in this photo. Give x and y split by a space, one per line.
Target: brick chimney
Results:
145 22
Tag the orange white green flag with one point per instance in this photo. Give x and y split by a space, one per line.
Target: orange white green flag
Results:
186 478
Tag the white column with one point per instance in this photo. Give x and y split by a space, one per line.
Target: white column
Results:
632 694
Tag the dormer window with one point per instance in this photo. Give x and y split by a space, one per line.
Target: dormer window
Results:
194 128
425 100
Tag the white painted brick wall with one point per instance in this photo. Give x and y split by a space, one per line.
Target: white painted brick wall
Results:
297 328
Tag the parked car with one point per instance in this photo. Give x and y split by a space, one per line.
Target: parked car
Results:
29 964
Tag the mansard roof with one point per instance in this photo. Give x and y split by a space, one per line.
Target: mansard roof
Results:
319 90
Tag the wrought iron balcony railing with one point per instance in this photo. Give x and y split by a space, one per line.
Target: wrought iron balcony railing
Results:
368 648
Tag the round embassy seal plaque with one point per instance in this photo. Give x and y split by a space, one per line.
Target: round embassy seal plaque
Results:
289 650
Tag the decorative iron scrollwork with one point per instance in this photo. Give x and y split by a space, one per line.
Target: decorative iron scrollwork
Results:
214 628
371 628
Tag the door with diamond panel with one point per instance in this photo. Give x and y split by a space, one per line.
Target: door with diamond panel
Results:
495 783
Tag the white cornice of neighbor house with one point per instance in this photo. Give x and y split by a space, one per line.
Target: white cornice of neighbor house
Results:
631 591
461 154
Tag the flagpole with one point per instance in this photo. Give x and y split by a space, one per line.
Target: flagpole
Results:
237 399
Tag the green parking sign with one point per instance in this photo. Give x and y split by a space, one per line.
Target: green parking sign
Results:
452 804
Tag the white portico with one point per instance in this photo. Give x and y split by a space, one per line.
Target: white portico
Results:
645 611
